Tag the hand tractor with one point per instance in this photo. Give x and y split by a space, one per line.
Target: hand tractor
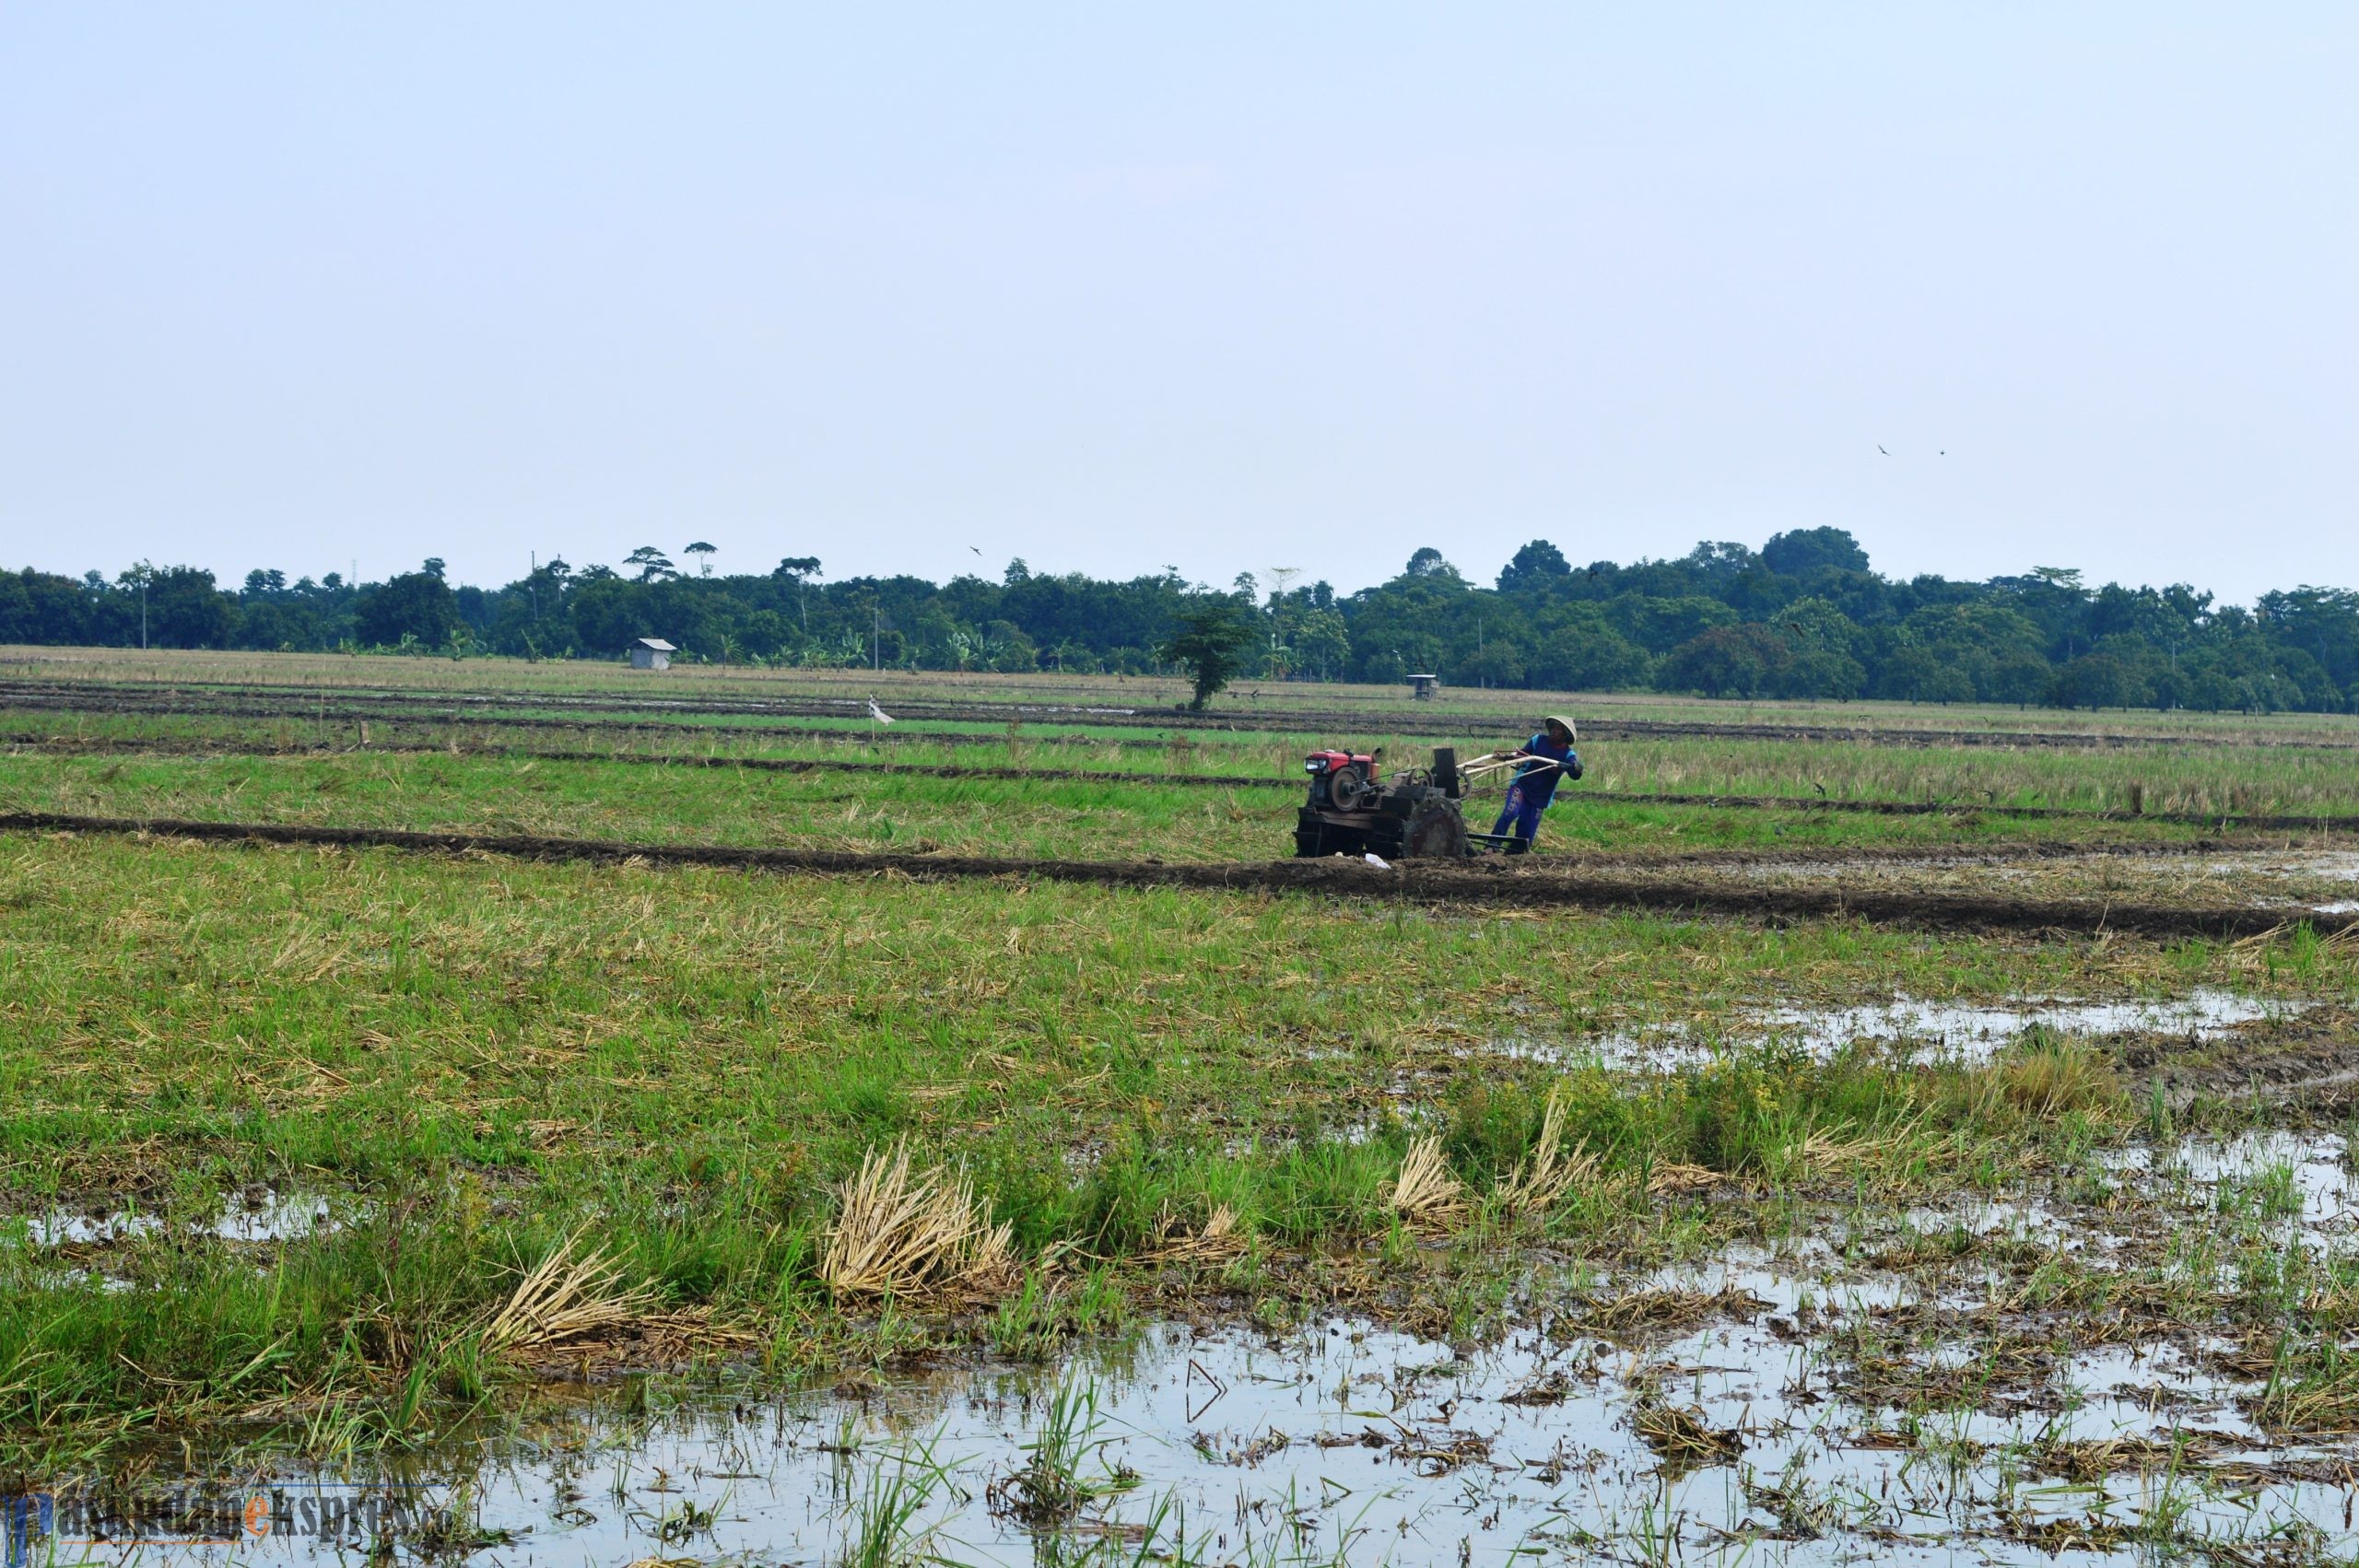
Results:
1415 812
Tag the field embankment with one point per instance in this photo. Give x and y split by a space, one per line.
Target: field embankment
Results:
1416 881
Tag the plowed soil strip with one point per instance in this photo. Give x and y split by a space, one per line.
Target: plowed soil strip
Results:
293 702
867 737
753 763
2222 821
1490 883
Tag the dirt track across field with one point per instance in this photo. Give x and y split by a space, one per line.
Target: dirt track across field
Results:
2221 821
663 759
292 702
1487 884
588 726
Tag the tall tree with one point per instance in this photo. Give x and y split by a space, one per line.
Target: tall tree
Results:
1211 633
1802 550
417 605
1537 565
799 571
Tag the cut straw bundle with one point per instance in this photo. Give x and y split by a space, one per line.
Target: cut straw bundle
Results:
565 1299
1671 1177
1541 1182
1219 1240
900 1234
1425 1194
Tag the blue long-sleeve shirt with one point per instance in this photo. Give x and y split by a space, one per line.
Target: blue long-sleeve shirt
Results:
1539 776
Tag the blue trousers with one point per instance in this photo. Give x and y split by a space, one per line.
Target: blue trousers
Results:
1523 812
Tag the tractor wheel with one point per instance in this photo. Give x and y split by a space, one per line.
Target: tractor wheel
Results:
1436 832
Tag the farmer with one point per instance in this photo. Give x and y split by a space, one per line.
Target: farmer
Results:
1551 758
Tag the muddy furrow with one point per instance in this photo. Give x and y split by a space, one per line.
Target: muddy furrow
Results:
348 705
2223 821
429 720
2219 821
751 764
1247 718
295 701
1490 883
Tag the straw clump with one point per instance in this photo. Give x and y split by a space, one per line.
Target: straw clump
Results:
564 1301
1539 1183
1221 1239
1671 1177
898 1233
1679 1436
1425 1194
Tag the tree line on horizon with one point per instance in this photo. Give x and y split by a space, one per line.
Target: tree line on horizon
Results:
1803 616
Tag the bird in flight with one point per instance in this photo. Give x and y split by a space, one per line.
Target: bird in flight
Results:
1880 447
977 549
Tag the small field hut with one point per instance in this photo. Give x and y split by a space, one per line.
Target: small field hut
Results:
652 653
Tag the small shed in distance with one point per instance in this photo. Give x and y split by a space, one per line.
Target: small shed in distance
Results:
1423 686
652 653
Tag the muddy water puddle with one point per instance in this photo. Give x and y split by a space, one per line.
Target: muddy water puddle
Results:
2326 865
77 1243
1346 1443
251 1215
1923 1031
2319 883
2304 1177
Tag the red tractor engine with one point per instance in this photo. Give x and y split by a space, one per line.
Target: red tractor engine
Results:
1340 781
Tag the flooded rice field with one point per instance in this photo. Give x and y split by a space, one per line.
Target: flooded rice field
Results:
1384 1220
1342 1442
1997 1378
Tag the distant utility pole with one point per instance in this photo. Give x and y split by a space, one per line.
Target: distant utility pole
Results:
876 637
143 612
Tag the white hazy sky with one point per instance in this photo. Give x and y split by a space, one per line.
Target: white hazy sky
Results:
1224 286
